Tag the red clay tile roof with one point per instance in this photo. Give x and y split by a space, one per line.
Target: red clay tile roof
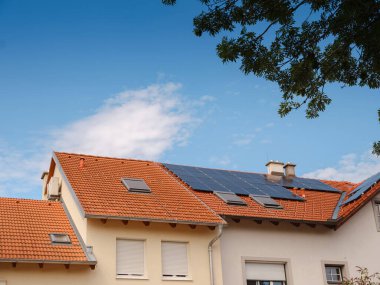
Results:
25 226
100 191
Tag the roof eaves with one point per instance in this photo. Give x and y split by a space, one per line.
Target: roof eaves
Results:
143 219
46 261
301 221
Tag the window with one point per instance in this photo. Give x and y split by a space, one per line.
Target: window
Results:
136 185
60 239
333 274
376 210
265 273
3 282
174 260
230 198
130 258
266 201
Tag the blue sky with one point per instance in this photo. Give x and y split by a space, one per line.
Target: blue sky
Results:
129 79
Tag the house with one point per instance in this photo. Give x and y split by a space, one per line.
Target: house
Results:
144 226
315 233
122 221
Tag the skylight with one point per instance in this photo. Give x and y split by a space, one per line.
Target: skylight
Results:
266 201
60 239
136 185
230 198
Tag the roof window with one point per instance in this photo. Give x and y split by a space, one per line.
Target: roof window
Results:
60 239
230 198
136 185
266 201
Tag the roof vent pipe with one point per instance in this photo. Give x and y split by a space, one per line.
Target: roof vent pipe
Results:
275 168
81 162
290 169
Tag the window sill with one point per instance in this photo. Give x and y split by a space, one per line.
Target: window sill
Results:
177 278
132 277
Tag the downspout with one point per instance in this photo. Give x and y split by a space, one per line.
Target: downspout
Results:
211 243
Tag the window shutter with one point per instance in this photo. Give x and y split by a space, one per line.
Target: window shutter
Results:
130 257
265 271
174 259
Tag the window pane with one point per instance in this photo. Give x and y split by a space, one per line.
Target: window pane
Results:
333 273
378 208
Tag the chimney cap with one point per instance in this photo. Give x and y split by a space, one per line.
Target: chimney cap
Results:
274 162
290 164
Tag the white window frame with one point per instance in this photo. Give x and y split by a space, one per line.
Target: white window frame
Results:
271 260
122 276
189 276
330 263
339 274
376 212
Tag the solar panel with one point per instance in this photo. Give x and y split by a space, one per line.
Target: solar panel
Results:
362 188
230 198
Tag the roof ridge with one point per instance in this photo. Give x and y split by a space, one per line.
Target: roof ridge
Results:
101 156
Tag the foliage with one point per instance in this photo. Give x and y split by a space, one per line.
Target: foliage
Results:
364 278
300 44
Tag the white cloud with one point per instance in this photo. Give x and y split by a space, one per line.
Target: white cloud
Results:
351 167
142 123
20 170
136 123
246 139
223 160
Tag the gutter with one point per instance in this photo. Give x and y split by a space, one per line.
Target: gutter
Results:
46 261
211 243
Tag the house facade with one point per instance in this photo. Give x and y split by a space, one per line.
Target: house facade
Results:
142 222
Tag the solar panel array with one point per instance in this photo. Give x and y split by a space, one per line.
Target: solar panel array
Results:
362 188
305 183
211 180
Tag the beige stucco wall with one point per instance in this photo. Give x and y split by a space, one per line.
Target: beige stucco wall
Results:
51 274
103 238
356 243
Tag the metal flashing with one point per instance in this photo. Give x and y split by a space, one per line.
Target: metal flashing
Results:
338 206
86 249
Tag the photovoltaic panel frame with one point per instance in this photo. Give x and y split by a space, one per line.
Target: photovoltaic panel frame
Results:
363 188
